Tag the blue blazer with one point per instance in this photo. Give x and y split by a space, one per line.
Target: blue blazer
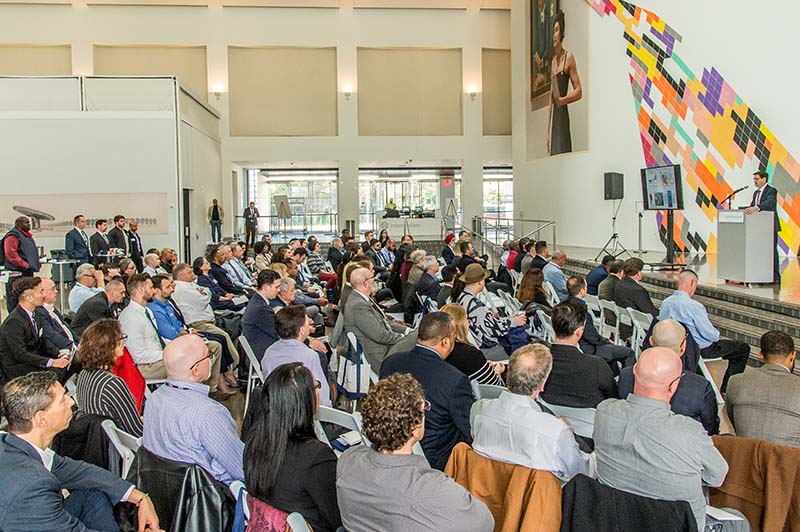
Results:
258 325
449 393
75 246
448 255
694 398
53 331
31 498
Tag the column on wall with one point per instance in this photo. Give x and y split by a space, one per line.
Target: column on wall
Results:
347 189
472 163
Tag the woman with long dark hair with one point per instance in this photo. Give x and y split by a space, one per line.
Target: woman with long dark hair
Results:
531 289
286 466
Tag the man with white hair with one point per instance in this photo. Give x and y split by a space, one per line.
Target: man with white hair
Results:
554 274
152 265
645 449
427 284
182 423
54 328
88 282
693 315
514 429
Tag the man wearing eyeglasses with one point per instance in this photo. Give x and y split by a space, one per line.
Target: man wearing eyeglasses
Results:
645 449
182 423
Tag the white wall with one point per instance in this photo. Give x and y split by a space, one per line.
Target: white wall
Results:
748 44
217 28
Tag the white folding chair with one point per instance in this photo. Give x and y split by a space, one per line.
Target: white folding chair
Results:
596 312
155 383
297 523
641 324
610 331
295 520
511 303
125 444
580 419
255 374
485 391
71 388
545 330
516 277
701 363
552 295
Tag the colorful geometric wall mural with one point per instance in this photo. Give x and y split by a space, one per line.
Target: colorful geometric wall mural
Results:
701 123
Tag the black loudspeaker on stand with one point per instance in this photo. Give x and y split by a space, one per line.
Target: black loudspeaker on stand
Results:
613 190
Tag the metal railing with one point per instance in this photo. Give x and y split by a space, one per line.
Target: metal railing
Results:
516 228
305 224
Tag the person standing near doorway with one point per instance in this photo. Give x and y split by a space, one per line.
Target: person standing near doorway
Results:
216 215
250 216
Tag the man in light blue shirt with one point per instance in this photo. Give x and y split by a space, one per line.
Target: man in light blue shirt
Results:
238 273
183 424
693 315
555 275
293 327
88 282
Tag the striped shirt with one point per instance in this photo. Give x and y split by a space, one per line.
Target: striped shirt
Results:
103 393
316 263
486 329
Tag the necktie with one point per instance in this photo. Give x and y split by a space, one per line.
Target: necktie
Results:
35 327
160 340
105 237
178 312
86 241
758 198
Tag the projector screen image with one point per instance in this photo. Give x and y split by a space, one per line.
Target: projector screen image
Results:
661 188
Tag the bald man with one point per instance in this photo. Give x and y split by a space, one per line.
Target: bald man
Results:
694 397
693 315
182 423
54 328
645 449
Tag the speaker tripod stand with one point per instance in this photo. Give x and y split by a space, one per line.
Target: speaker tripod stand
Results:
616 248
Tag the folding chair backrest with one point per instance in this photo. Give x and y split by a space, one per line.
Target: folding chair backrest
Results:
516 277
546 332
596 312
125 444
511 303
255 373
610 308
552 296
641 324
489 391
297 522
343 419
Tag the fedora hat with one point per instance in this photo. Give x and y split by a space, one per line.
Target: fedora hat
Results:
474 273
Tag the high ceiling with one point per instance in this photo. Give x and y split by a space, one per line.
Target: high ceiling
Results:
472 5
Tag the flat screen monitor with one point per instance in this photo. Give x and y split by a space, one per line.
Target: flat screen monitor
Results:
662 188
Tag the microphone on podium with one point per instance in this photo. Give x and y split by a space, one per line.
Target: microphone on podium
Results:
732 194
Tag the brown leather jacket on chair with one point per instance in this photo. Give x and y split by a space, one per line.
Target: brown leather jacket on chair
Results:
757 469
520 499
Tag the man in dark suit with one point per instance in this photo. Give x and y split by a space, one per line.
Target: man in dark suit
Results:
592 343
335 253
250 216
135 245
379 265
101 305
23 348
577 379
694 397
98 243
369 236
765 198
446 286
598 275
427 284
258 322
118 237
54 328
76 242
217 257
540 248
629 293
448 254
447 390
33 476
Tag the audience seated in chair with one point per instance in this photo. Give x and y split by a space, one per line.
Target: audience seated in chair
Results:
88 282
219 298
152 265
287 467
606 289
427 284
592 343
682 308
486 327
467 358
217 256
293 328
554 274
674 456
238 273
598 275
386 486
143 340
764 403
531 291
446 286
694 398
33 476
364 318
446 388
629 293
576 380
258 322
183 424
54 327
514 429
22 348
98 391
105 304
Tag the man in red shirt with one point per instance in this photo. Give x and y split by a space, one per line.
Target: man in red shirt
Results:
21 255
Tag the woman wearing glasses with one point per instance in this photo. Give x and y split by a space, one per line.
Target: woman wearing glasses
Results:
98 390
286 466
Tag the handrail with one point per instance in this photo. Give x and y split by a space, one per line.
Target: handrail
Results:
544 225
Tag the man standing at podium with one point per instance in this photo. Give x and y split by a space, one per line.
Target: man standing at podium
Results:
765 198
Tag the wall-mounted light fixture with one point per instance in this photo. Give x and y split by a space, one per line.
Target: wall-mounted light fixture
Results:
347 89
472 90
216 88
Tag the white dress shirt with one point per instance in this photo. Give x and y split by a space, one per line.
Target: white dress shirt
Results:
51 310
143 339
79 294
194 302
513 429
149 270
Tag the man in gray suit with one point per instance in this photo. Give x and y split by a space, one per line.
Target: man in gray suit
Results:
365 319
764 403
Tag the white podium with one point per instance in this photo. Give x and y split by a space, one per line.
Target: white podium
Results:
745 246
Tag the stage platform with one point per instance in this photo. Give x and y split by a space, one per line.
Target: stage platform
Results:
741 312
